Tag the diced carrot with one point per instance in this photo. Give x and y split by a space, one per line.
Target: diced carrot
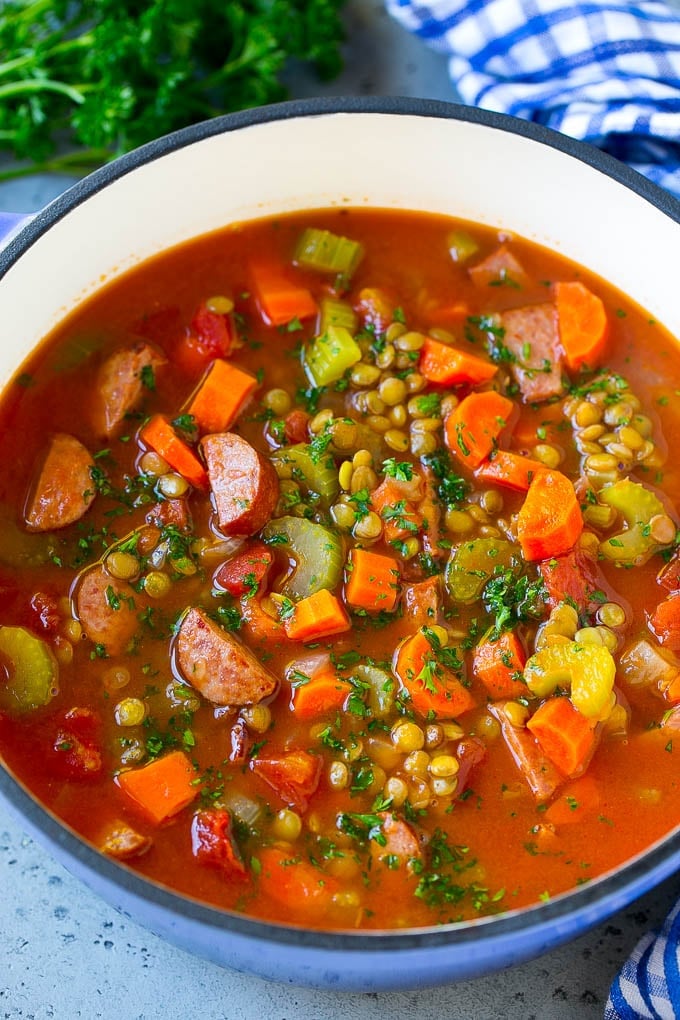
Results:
511 470
324 692
279 299
162 788
295 883
449 366
398 514
665 622
579 798
498 664
433 689
160 436
372 581
220 396
260 625
582 323
243 573
565 735
294 775
549 522
471 431
318 616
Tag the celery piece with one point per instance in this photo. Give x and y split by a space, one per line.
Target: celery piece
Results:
316 552
337 313
644 664
328 356
472 564
318 475
637 505
589 670
381 689
462 245
32 670
327 252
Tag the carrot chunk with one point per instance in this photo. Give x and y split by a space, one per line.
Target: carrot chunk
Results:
317 616
220 396
278 298
549 522
295 883
665 622
582 323
511 470
565 735
432 688
450 366
373 581
324 692
498 664
162 788
576 801
472 429
159 434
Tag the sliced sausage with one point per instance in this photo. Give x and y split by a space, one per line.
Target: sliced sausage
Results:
120 384
64 489
501 266
123 842
531 334
244 484
217 665
107 609
401 841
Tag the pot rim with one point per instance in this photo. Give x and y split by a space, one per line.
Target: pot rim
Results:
596 899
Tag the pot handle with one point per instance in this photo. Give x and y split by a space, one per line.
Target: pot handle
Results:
10 223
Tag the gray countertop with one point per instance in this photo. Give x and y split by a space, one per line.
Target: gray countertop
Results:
65 954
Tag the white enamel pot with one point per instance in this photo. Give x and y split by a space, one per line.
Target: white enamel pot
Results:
389 153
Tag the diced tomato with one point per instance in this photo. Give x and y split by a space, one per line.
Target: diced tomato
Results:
294 775
212 842
77 749
665 622
210 336
296 426
243 573
44 606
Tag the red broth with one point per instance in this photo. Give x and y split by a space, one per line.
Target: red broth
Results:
347 595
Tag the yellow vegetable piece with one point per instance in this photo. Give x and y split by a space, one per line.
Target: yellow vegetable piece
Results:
588 670
637 505
31 670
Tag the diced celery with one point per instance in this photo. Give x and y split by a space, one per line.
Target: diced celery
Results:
589 670
637 505
328 356
337 313
316 552
381 688
327 252
32 670
462 245
318 475
471 564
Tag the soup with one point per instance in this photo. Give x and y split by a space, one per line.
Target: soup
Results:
338 572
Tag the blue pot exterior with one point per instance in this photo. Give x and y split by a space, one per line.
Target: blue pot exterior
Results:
337 961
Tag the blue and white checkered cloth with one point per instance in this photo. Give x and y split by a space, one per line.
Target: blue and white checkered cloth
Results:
606 72
603 71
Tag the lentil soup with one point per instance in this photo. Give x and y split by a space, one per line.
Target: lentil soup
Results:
338 572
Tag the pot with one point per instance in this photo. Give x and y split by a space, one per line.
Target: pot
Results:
389 153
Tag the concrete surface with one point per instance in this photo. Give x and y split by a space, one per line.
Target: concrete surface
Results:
64 954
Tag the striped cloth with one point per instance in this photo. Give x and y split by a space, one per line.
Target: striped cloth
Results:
648 984
604 71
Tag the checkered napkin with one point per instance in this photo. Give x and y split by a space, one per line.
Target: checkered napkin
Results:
604 71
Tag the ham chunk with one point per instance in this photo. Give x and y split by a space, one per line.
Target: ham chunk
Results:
120 384
64 490
539 773
245 486
531 334
401 842
123 842
500 267
107 609
217 665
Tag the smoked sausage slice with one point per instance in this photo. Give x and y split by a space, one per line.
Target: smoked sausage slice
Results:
64 488
244 484
107 609
120 384
217 665
531 334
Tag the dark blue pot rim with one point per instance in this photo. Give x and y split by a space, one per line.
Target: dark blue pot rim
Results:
580 908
